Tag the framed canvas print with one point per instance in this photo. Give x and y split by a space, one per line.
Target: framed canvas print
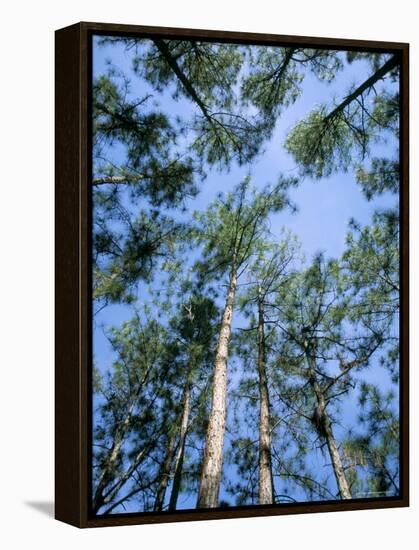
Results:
231 274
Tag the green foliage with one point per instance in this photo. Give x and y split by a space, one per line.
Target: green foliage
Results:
375 60
273 81
212 68
207 74
231 228
386 111
142 392
320 145
226 136
331 140
325 322
148 138
125 257
372 259
382 176
276 74
372 263
373 454
133 404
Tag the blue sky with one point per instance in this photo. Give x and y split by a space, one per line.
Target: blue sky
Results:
324 206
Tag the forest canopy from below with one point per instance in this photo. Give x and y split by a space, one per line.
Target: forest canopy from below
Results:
245 251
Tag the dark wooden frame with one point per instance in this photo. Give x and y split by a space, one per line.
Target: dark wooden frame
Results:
73 280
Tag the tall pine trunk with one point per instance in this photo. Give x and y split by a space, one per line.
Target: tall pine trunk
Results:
165 472
168 469
326 429
177 475
209 488
266 488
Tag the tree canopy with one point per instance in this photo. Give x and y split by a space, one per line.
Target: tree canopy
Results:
245 274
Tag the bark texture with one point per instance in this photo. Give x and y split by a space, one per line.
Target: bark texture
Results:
214 443
266 490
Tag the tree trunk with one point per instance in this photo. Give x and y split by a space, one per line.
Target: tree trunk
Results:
327 431
165 472
378 75
345 492
177 476
168 470
187 84
266 489
214 442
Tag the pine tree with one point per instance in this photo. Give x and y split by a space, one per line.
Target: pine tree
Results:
314 317
161 409
266 275
230 231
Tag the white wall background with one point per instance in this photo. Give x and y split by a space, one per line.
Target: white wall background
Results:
26 273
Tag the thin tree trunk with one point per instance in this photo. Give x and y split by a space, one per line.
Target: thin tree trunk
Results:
378 75
214 442
177 476
266 489
340 476
165 472
327 431
182 419
187 84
